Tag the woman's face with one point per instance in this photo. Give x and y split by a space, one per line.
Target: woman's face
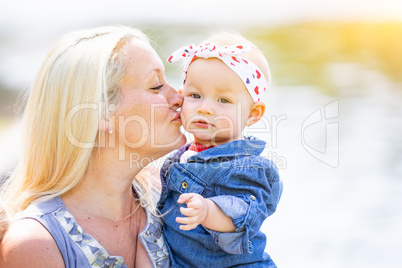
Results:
147 121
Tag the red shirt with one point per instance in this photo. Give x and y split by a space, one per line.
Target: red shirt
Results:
198 147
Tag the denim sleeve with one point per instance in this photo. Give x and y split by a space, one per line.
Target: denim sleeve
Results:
235 208
255 195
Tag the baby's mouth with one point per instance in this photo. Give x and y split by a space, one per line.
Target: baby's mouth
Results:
202 124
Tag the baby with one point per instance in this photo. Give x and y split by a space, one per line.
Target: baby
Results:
219 182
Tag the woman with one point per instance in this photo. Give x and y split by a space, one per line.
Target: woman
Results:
99 110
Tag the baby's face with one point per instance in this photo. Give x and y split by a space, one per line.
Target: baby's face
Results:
216 102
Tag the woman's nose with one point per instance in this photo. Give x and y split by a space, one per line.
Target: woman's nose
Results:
174 99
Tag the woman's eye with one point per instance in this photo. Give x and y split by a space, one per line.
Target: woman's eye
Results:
157 87
195 96
223 100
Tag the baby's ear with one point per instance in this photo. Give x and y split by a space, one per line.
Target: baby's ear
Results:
257 111
181 91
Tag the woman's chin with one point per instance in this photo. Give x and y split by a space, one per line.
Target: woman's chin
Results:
173 144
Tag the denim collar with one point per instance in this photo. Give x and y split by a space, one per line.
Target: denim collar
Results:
247 147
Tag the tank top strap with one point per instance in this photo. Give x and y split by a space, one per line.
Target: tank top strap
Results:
61 224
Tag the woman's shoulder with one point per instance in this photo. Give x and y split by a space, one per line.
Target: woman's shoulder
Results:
28 244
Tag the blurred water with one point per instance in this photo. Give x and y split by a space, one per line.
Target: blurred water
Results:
348 216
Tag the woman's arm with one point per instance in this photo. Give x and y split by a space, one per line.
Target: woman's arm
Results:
28 244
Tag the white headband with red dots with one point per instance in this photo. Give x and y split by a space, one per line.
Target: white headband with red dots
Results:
250 74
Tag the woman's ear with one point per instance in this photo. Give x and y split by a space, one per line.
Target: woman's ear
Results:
104 126
106 135
257 111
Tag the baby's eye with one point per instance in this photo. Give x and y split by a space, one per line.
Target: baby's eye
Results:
195 96
223 100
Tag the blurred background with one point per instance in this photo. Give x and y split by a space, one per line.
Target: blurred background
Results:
334 118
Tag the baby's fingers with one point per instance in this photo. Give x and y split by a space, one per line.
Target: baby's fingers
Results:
188 211
195 202
188 227
188 222
184 198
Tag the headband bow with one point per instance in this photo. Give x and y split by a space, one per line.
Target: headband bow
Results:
250 74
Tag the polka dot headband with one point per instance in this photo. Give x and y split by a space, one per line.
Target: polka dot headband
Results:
250 74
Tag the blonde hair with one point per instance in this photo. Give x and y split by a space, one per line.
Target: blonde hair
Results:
255 55
83 68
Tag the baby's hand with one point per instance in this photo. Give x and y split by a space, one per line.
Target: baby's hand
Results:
196 211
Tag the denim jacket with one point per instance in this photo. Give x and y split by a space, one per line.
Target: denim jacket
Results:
243 184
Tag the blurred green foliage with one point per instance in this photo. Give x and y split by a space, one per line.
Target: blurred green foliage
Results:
299 54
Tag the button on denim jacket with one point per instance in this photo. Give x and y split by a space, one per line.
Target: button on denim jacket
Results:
243 184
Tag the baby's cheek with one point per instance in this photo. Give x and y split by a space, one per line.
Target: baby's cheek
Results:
185 113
